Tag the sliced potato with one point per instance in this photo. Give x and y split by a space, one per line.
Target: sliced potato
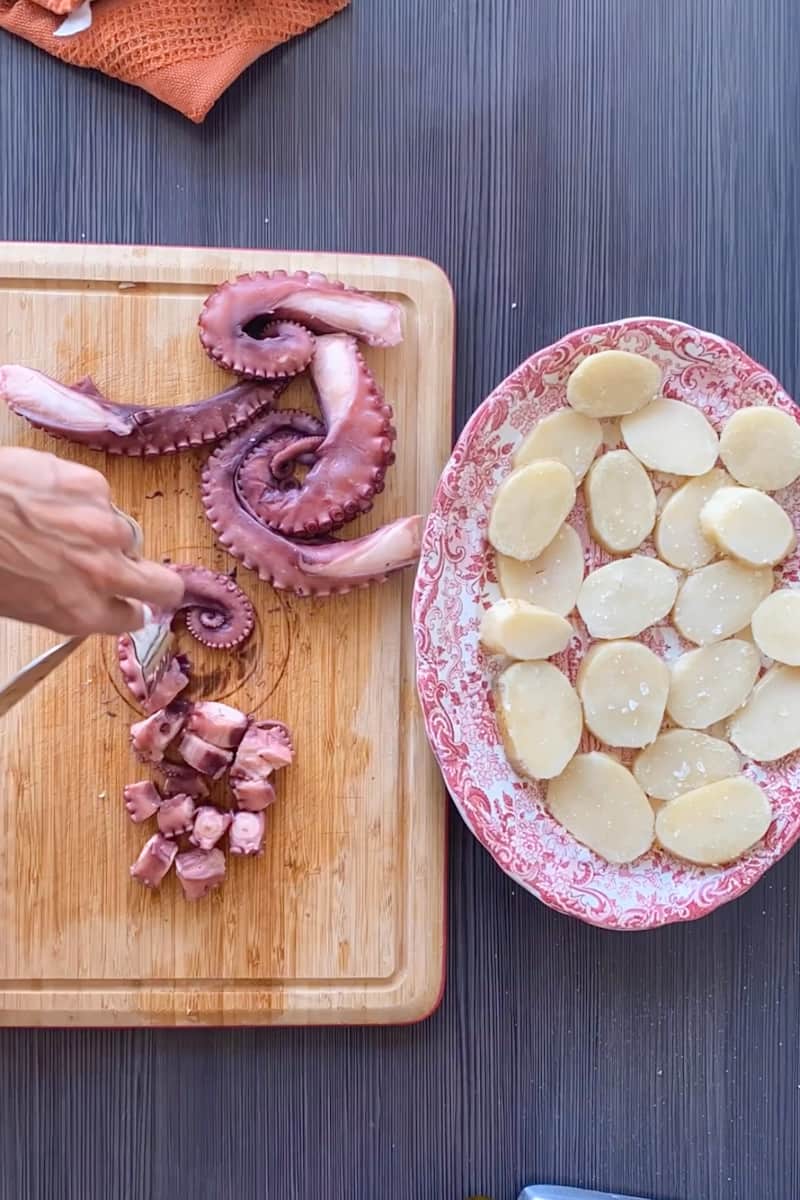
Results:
522 630
621 501
715 824
624 597
776 626
719 600
769 724
602 805
679 539
709 684
748 525
623 688
540 718
681 760
761 448
529 508
671 436
552 580
565 436
613 382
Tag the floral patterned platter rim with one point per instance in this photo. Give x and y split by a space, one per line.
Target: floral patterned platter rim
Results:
456 582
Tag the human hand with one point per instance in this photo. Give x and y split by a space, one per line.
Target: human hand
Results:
63 550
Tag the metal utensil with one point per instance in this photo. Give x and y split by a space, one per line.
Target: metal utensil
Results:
152 645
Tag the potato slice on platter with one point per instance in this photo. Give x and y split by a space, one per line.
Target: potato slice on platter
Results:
621 502
715 824
611 383
529 508
671 436
600 803
680 760
776 626
623 688
540 718
565 436
552 580
761 448
622 598
768 727
679 539
719 600
748 525
710 683
523 630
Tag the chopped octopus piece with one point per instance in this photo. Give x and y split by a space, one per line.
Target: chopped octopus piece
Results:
200 871
151 736
183 781
266 747
205 758
209 825
253 795
246 835
155 860
141 800
219 724
176 815
171 684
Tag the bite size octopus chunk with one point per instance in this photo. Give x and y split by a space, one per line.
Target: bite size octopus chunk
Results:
176 815
200 871
253 795
155 860
151 737
203 757
246 835
142 800
209 825
219 724
183 781
266 747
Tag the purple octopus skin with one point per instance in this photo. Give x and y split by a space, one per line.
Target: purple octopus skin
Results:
209 826
82 414
253 795
266 747
219 724
200 871
182 780
203 757
321 567
246 834
349 462
142 800
176 815
235 331
151 737
154 861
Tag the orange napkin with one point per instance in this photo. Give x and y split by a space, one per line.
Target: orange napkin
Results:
184 52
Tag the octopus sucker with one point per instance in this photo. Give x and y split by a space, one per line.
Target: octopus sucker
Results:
235 329
81 414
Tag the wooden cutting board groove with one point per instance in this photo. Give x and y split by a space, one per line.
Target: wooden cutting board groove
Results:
342 920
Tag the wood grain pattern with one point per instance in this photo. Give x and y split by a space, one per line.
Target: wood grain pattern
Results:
580 160
342 919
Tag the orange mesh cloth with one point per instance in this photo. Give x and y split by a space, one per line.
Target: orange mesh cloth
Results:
184 52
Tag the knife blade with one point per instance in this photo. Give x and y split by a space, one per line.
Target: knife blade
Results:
19 685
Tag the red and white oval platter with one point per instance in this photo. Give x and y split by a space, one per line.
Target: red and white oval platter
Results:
456 583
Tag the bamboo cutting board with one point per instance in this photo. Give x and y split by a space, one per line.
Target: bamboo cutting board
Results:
342 919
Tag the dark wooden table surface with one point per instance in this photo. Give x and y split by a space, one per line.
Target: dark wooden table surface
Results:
565 161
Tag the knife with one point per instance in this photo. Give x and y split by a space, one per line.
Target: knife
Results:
545 1192
152 645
